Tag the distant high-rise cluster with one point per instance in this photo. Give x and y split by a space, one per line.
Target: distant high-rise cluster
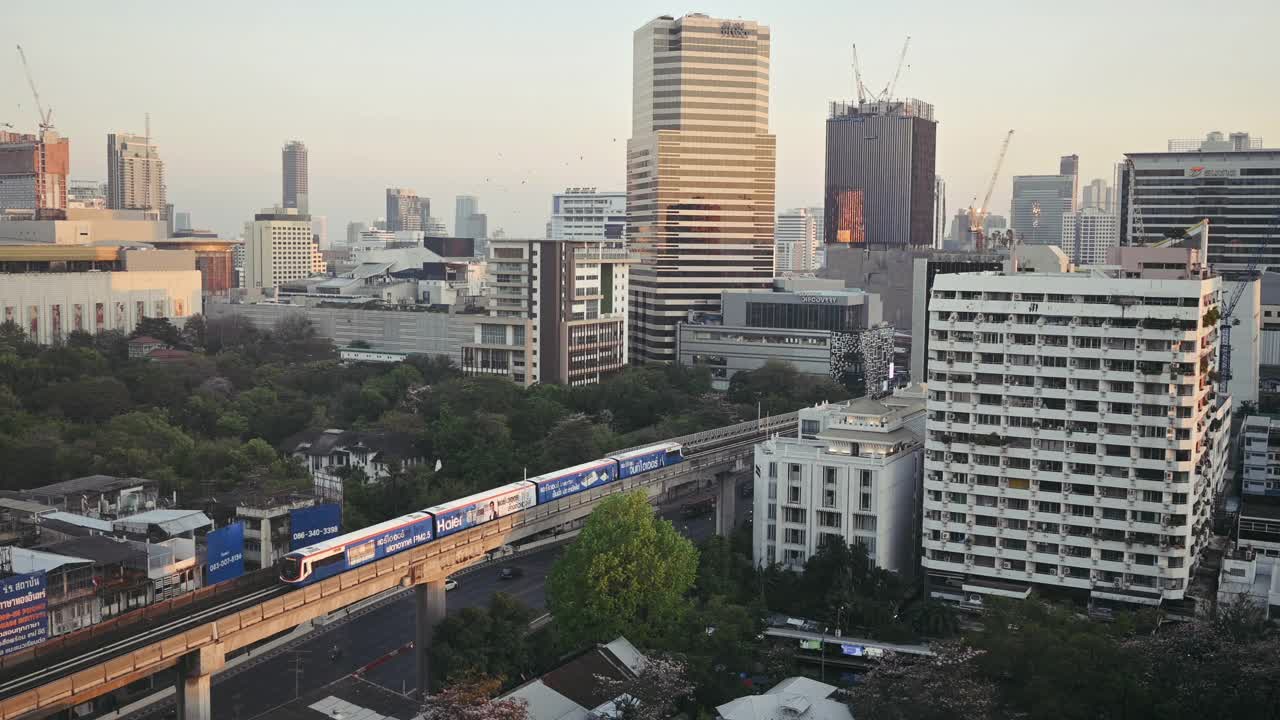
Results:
795 243
1098 195
295 176
468 221
135 174
701 169
405 210
1039 202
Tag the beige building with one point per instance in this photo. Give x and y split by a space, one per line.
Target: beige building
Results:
557 312
700 171
279 248
135 174
51 292
84 226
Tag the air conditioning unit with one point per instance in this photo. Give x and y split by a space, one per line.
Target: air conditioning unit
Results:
1006 565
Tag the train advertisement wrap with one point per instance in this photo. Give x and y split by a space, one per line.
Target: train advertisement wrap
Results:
483 507
24 614
648 461
390 542
226 554
554 486
308 526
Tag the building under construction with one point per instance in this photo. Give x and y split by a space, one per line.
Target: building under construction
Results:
33 175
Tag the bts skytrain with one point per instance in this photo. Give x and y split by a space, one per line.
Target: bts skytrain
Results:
335 555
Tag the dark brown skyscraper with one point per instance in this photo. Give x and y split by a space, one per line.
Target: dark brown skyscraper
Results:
881 174
294 174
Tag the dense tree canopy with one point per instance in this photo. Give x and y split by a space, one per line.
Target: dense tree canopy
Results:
626 574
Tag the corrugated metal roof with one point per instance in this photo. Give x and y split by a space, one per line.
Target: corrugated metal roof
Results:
79 520
171 521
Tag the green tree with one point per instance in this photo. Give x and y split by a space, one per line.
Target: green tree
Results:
158 328
490 641
95 399
626 574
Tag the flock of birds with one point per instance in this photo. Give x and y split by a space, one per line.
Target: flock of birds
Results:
489 180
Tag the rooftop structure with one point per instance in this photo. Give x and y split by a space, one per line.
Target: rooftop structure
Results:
796 698
573 690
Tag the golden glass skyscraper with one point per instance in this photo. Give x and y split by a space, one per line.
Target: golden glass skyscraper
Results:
700 172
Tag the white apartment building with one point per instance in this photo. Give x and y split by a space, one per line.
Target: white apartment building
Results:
279 248
1089 234
1077 439
795 238
1260 470
584 213
853 473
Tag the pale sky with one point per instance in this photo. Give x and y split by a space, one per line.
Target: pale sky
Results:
514 100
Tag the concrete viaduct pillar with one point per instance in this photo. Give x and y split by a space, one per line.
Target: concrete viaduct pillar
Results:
429 606
195 673
726 503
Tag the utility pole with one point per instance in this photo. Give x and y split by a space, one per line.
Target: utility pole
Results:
297 673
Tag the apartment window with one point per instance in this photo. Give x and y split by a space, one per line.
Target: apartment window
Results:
773 469
771 533
828 498
773 511
793 494
793 472
773 491
493 334
868 522
829 476
794 515
866 480
808 429
828 519
864 501
794 536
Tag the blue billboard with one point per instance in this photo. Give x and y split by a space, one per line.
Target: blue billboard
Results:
226 554
308 526
24 612
391 541
556 485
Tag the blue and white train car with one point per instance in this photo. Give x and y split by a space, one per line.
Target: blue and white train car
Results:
325 559
570 481
480 508
647 459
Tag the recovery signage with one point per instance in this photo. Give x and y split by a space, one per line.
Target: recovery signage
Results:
24 615
308 526
226 554
557 485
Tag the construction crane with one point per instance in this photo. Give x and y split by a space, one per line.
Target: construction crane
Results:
902 57
857 77
46 118
1137 229
1225 320
978 215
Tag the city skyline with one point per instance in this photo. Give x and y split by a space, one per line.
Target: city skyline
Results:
452 147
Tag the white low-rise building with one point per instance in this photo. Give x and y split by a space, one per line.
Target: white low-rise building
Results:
853 474
330 454
1077 431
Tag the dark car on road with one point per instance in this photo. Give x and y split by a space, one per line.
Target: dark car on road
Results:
510 573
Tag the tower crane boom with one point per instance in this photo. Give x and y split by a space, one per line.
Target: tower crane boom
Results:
857 77
46 118
902 57
978 215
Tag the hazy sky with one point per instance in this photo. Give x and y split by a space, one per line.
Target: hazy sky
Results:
512 101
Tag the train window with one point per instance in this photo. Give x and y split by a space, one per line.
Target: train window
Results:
290 568
326 562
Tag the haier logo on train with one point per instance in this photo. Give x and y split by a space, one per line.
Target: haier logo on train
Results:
444 525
